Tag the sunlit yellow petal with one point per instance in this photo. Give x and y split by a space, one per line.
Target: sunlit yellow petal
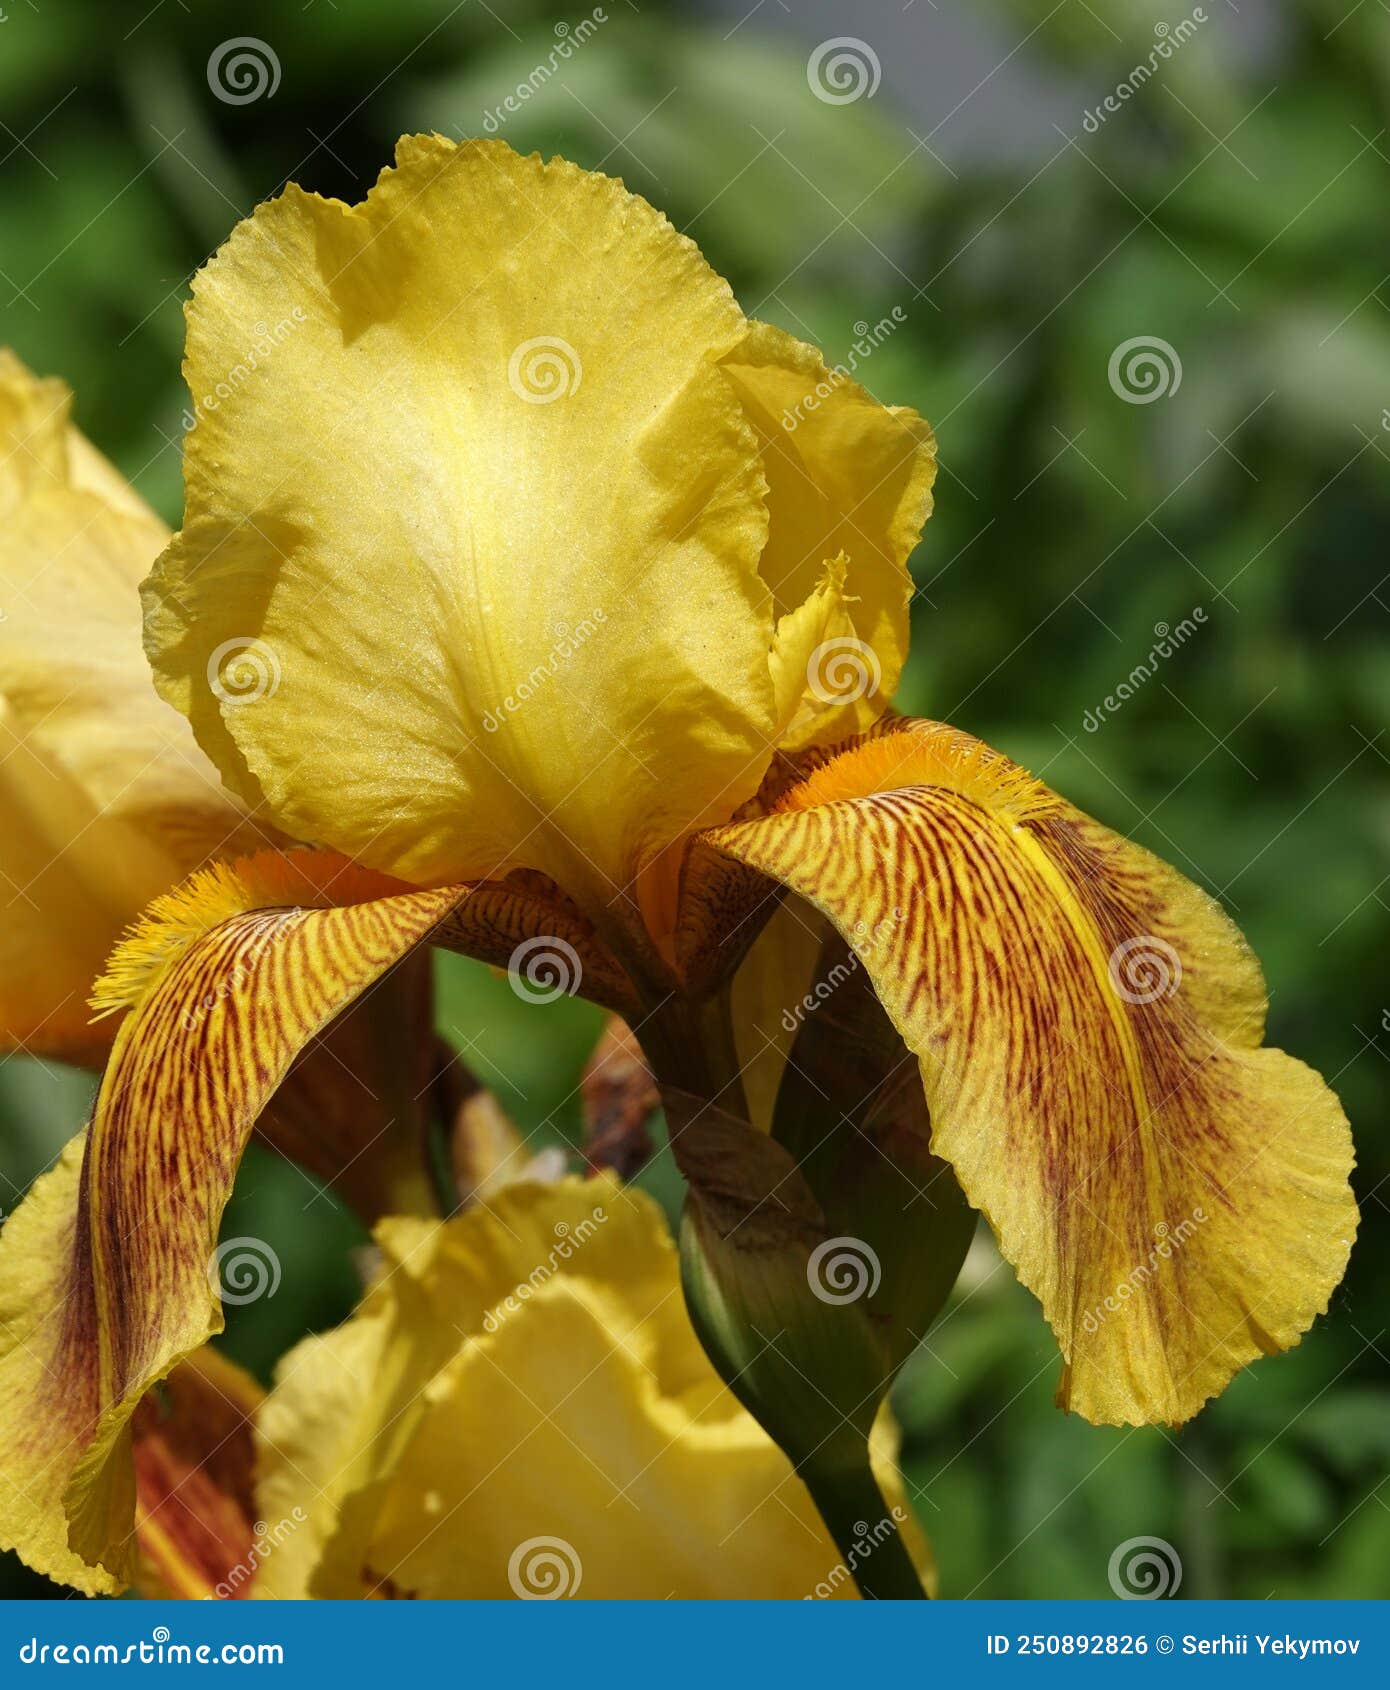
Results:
106 799
108 1276
575 1433
492 514
70 879
337 1393
1088 1025
48 1373
846 477
346 1404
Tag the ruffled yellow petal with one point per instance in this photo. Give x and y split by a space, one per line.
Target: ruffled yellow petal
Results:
1088 1025
486 517
336 1394
346 1403
109 1274
847 478
572 1441
106 799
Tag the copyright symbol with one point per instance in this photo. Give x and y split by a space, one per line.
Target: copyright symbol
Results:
1164 1645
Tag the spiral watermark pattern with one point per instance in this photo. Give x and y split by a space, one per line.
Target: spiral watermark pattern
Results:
842 1270
1144 969
243 1270
844 69
544 369
1144 369
843 670
545 1569
160 1634
1145 1569
243 670
242 70
544 968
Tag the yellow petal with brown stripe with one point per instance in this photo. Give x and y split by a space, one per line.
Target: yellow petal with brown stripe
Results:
195 1511
1088 1025
108 1276
361 1101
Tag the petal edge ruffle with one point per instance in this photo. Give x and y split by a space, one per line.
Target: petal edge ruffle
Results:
1088 1025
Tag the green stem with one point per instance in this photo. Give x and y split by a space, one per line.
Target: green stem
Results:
807 1368
439 1167
865 1532
691 1045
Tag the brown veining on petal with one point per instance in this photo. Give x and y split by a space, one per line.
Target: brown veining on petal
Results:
1087 1024
222 1001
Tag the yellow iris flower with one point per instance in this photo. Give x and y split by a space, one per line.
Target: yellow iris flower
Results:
519 1408
557 607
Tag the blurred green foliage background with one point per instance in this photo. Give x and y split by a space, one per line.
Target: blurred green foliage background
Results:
1236 207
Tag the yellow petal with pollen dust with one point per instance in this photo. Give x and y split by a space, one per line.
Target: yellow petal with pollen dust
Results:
109 1272
107 801
491 511
1088 1026
522 1408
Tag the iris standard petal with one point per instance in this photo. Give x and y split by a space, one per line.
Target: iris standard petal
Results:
1088 1025
848 479
490 514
